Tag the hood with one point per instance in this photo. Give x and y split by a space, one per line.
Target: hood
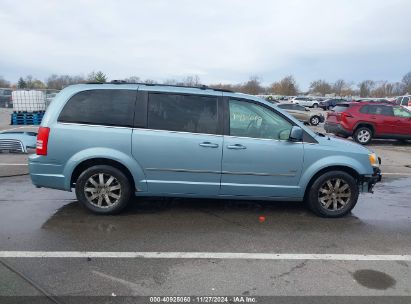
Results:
341 144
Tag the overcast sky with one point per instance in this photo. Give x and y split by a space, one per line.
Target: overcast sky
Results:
221 41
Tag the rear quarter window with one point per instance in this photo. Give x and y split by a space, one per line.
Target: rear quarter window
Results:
365 109
341 108
100 107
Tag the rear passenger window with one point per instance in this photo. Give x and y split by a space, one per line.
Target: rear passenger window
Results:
380 110
101 107
340 108
365 109
186 113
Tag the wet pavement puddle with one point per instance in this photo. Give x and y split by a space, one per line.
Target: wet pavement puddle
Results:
374 279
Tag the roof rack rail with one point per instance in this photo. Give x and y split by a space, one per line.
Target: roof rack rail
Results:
201 87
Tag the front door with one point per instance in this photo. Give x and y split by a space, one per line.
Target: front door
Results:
180 150
382 118
258 159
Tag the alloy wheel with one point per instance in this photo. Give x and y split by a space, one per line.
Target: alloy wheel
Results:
102 190
315 121
363 136
334 194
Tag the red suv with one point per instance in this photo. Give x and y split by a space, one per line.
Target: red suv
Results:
366 120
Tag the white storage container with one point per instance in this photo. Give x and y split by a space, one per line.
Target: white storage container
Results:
28 101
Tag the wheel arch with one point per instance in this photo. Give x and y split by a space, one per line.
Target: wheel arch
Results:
322 171
103 156
365 124
100 161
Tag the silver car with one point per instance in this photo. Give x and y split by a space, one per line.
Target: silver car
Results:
303 114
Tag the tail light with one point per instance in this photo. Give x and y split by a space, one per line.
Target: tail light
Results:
343 116
409 103
42 141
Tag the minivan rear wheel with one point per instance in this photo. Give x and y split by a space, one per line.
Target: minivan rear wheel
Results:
333 194
103 189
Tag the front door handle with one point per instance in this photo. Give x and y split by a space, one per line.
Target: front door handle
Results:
236 147
208 144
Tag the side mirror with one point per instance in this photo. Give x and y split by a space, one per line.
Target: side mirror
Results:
296 134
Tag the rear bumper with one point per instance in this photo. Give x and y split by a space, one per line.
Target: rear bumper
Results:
47 175
367 182
336 129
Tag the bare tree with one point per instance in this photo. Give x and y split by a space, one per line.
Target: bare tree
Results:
407 82
286 86
133 79
321 87
339 86
191 81
365 87
170 82
252 86
223 86
399 88
58 82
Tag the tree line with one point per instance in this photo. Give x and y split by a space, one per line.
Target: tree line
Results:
286 86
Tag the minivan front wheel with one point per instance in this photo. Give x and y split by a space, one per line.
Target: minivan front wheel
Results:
103 189
333 194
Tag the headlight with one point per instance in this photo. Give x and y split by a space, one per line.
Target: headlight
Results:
373 160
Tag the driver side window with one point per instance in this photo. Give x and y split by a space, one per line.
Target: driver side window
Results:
251 120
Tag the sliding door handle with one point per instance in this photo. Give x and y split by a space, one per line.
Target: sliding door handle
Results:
208 144
236 147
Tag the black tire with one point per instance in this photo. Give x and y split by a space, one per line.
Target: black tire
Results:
315 120
123 194
363 135
315 106
330 108
313 194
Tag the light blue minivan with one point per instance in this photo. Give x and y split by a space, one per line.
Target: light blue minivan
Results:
110 141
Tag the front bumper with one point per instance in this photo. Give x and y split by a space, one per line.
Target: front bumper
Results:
367 182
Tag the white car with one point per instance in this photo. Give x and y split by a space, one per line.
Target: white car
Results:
305 101
404 101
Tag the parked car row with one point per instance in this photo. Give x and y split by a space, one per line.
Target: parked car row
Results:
303 114
404 101
367 120
5 98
